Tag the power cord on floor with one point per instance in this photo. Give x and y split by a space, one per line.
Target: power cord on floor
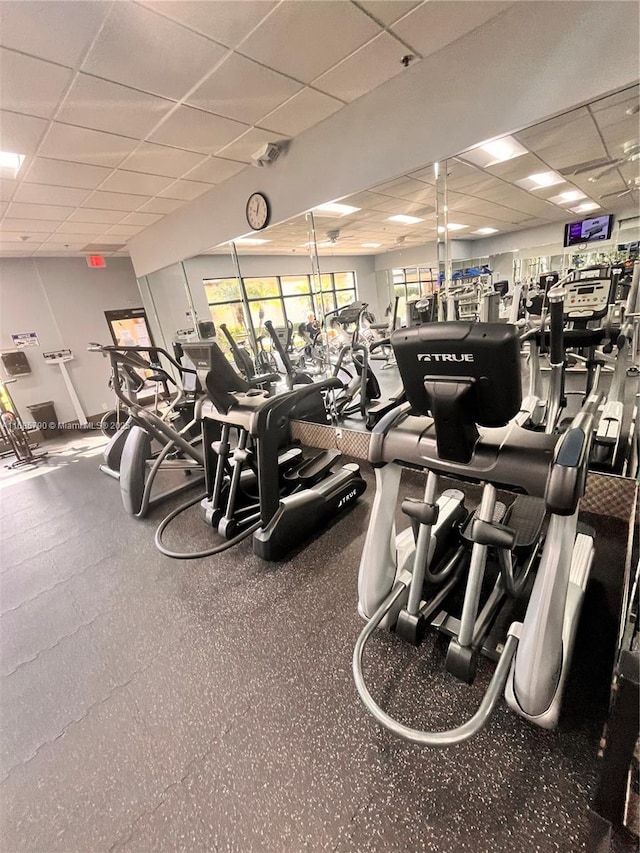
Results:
196 555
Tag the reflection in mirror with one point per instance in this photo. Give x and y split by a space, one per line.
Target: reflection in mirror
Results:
170 305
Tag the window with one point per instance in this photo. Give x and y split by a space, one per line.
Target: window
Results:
281 299
412 283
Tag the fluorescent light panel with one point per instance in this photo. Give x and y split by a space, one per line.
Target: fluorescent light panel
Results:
568 196
540 181
371 245
250 241
10 163
491 153
335 208
486 231
407 220
586 207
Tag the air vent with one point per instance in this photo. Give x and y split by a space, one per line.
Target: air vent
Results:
102 248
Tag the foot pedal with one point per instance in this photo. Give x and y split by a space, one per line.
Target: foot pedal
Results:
499 512
525 517
313 469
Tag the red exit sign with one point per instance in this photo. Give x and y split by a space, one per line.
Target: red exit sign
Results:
96 261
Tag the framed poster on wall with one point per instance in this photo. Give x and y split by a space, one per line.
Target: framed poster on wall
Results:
129 328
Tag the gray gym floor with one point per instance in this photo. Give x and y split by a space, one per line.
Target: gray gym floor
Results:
155 705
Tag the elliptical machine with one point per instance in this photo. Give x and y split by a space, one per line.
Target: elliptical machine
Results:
463 387
261 486
137 463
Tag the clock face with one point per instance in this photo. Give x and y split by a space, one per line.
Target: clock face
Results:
257 211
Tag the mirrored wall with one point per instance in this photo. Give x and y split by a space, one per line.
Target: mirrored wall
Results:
497 212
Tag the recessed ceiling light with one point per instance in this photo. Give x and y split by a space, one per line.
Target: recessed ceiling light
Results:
407 220
452 226
10 163
499 151
586 207
486 231
569 195
250 241
371 245
541 180
335 209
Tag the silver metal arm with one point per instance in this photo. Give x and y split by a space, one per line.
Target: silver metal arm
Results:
452 737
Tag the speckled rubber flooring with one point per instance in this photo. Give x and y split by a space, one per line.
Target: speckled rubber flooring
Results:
155 705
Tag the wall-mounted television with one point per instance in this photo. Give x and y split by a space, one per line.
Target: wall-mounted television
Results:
588 230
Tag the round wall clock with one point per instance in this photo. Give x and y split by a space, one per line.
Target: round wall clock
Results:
258 211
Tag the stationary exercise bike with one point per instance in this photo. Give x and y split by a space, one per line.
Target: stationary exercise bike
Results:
456 571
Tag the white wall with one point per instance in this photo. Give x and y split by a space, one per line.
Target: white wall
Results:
532 62
63 301
169 298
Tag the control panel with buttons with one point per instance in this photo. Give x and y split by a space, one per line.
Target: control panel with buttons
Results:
587 301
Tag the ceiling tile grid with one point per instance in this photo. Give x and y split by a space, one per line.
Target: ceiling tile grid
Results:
126 111
161 100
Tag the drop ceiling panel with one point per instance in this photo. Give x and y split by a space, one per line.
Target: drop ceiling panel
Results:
64 142
161 205
302 111
7 188
388 11
568 153
27 226
39 211
114 201
618 135
78 239
141 218
95 215
243 90
366 69
436 24
146 51
628 97
137 183
124 230
366 199
185 190
611 115
555 130
60 31
425 175
214 170
515 169
228 22
246 145
20 134
630 171
56 250
197 130
290 40
42 194
78 227
106 106
160 160
16 248
29 85
59 173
